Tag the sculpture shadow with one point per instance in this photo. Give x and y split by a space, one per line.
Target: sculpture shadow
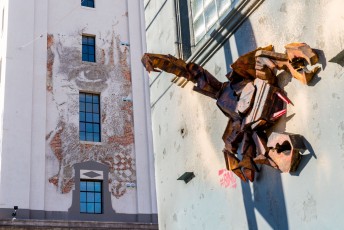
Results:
306 157
339 58
322 58
266 195
283 79
315 80
322 61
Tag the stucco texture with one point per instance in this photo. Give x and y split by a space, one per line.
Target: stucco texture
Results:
187 130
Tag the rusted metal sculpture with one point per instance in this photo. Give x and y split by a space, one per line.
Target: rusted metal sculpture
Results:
252 101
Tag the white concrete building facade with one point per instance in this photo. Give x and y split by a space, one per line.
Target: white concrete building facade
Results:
188 126
75 111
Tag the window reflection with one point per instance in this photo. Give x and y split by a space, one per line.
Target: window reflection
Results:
89 117
210 14
206 13
90 196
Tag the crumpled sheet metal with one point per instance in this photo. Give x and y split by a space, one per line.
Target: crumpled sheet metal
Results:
285 150
167 63
267 106
252 101
205 83
295 61
245 64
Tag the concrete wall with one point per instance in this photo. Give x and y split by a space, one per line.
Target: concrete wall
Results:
3 40
42 76
187 128
110 76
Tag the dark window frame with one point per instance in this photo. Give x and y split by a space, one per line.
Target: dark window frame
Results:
108 212
183 29
218 34
88 48
89 117
87 3
88 200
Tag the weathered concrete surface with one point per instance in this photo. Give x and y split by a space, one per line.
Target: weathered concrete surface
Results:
112 79
109 76
42 74
187 130
63 225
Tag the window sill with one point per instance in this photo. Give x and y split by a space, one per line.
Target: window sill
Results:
212 42
88 8
89 62
86 213
91 143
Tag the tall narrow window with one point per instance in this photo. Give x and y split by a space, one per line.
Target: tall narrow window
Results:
87 3
89 115
90 196
183 29
88 48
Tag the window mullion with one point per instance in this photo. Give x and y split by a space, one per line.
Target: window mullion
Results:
89 117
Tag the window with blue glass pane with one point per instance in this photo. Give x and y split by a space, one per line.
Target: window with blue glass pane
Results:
88 48
87 3
90 197
89 117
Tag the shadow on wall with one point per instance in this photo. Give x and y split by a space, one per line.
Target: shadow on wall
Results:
267 195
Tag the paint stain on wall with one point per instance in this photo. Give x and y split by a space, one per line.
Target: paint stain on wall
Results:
110 77
283 8
335 96
309 209
341 135
175 218
227 179
317 131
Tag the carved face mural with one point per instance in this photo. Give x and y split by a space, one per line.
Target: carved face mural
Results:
109 77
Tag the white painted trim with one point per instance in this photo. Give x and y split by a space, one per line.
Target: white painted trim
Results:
146 195
39 111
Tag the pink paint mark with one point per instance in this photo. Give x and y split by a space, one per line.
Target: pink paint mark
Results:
227 179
